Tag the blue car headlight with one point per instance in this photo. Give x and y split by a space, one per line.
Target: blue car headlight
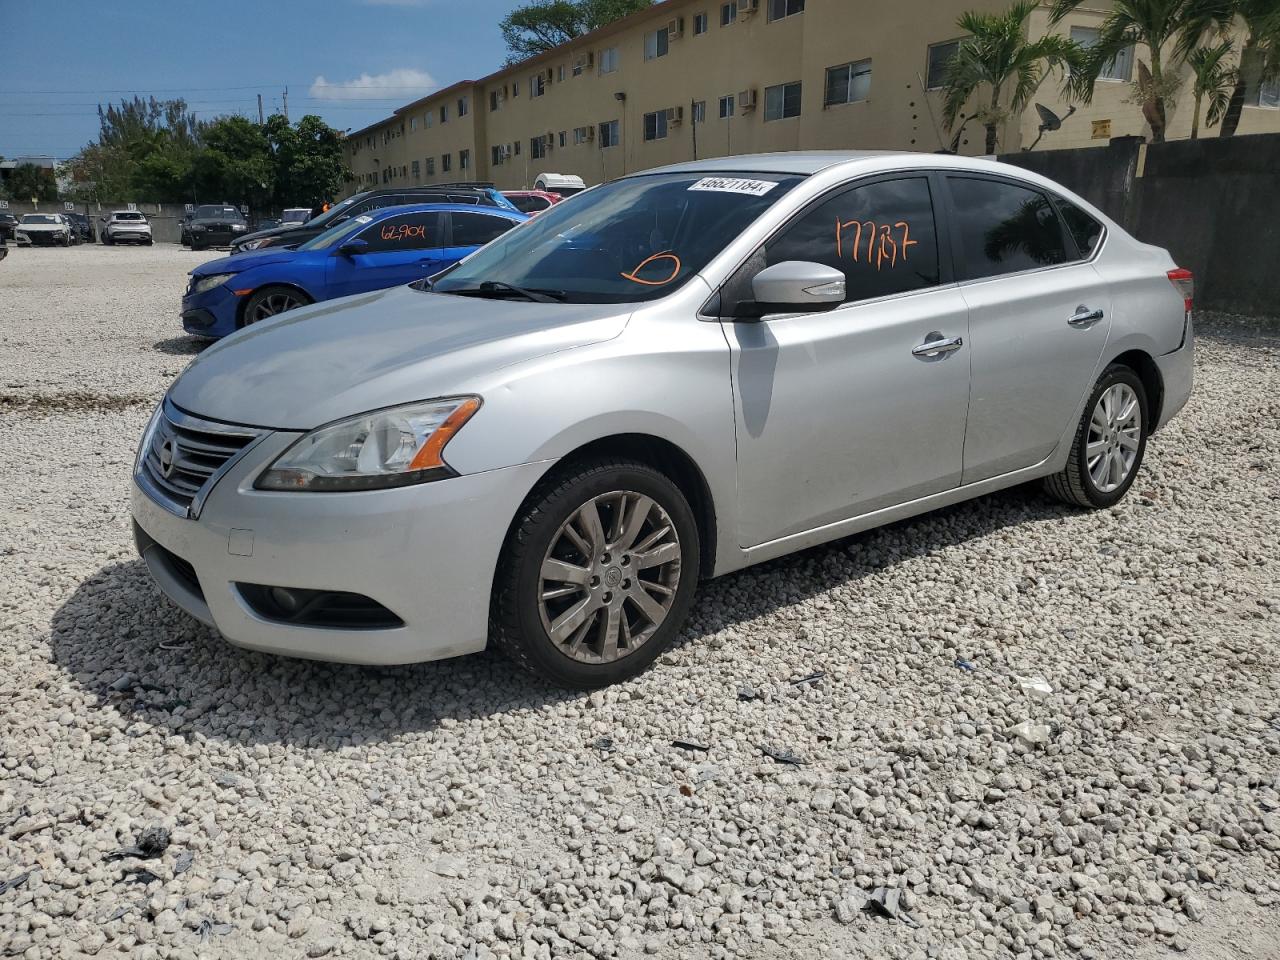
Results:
204 284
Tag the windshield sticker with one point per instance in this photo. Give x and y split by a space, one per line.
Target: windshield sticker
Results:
880 245
363 218
404 231
658 280
754 188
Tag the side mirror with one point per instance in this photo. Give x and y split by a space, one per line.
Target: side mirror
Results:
350 248
799 286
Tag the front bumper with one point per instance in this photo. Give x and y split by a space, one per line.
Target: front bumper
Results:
211 313
427 553
130 236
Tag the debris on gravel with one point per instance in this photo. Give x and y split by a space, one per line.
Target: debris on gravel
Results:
459 809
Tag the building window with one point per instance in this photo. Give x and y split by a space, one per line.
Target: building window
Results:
495 155
464 159
608 60
940 57
538 84
560 73
493 100
580 135
1119 68
699 24
728 13
464 104
655 125
537 147
655 44
785 8
446 162
609 136
413 123
726 107
517 148
444 113
848 83
578 66
417 170
428 118
782 101
699 111
564 137
1267 95
431 166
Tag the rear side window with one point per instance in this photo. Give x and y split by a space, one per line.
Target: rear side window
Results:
1086 230
530 204
410 231
477 229
1004 228
882 236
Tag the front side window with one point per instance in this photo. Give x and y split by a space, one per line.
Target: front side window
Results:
655 125
410 231
609 136
728 13
629 240
785 8
609 60
655 44
882 236
940 57
726 107
1085 230
477 229
1119 67
1004 228
848 83
782 101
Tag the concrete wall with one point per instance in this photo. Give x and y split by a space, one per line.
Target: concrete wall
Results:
1214 204
164 217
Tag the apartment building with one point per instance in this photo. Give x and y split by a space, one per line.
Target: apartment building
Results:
692 79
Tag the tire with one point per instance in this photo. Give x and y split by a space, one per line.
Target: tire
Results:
106 240
261 300
520 617
1078 483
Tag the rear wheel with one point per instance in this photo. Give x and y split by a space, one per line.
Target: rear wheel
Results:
598 574
270 301
1109 443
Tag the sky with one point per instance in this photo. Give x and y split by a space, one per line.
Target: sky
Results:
350 61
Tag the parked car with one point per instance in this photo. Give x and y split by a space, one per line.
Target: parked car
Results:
532 201
8 225
268 223
295 216
44 229
83 228
215 225
390 246
127 226
681 373
564 184
367 201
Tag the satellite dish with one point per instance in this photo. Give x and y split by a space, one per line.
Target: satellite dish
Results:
1049 121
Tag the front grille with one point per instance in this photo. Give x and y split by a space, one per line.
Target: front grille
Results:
186 452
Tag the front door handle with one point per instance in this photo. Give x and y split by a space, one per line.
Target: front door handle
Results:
1084 317
935 345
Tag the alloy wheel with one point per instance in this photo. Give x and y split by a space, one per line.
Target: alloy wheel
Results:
1115 435
271 305
609 577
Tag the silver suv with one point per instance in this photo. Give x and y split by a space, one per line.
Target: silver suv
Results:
665 378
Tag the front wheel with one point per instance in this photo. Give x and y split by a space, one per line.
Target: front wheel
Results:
1109 443
270 301
597 575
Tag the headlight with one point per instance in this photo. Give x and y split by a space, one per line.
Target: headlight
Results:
237 228
196 227
394 447
208 283
147 434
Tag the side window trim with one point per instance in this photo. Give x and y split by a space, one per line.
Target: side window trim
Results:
1081 257
714 307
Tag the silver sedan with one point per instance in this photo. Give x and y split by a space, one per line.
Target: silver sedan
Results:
665 378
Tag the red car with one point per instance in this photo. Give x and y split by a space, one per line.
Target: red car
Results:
532 202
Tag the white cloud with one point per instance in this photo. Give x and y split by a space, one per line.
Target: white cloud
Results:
395 84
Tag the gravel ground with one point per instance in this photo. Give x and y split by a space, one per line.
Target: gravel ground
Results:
458 809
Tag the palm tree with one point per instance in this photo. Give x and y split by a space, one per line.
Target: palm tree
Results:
1215 78
1259 58
1153 24
998 54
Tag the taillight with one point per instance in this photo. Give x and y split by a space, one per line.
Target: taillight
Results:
1185 282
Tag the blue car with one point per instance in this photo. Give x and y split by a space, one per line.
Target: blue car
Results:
383 248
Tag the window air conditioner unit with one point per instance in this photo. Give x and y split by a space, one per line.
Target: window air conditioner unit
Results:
748 7
747 99
675 114
675 27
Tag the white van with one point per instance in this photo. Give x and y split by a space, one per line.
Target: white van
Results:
561 183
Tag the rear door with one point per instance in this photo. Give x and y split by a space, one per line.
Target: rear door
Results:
472 230
400 249
1039 315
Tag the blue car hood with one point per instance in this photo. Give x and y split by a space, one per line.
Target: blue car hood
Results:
340 358
238 263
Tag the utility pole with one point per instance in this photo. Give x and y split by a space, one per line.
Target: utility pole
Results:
261 120
286 104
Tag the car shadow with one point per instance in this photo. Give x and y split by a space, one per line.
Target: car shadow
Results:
181 346
137 654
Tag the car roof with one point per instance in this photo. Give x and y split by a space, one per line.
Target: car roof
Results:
382 212
114 212
807 162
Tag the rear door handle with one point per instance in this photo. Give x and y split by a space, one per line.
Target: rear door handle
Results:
936 345
1084 317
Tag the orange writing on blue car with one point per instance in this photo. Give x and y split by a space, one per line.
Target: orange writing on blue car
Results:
635 277
880 243
404 231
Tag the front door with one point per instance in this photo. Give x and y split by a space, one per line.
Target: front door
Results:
844 412
1039 316
400 249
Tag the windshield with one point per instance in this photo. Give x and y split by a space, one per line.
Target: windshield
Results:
127 216
40 218
320 219
294 216
217 213
337 233
635 239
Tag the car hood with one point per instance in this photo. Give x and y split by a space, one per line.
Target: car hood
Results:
217 222
340 358
40 227
270 232
240 262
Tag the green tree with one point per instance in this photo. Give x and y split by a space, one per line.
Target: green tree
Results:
1155 25
27 181
234 164
145 148
541 25
997 55
1215 79
308 168
1259 57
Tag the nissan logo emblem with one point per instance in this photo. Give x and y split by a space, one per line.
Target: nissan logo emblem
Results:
166 458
